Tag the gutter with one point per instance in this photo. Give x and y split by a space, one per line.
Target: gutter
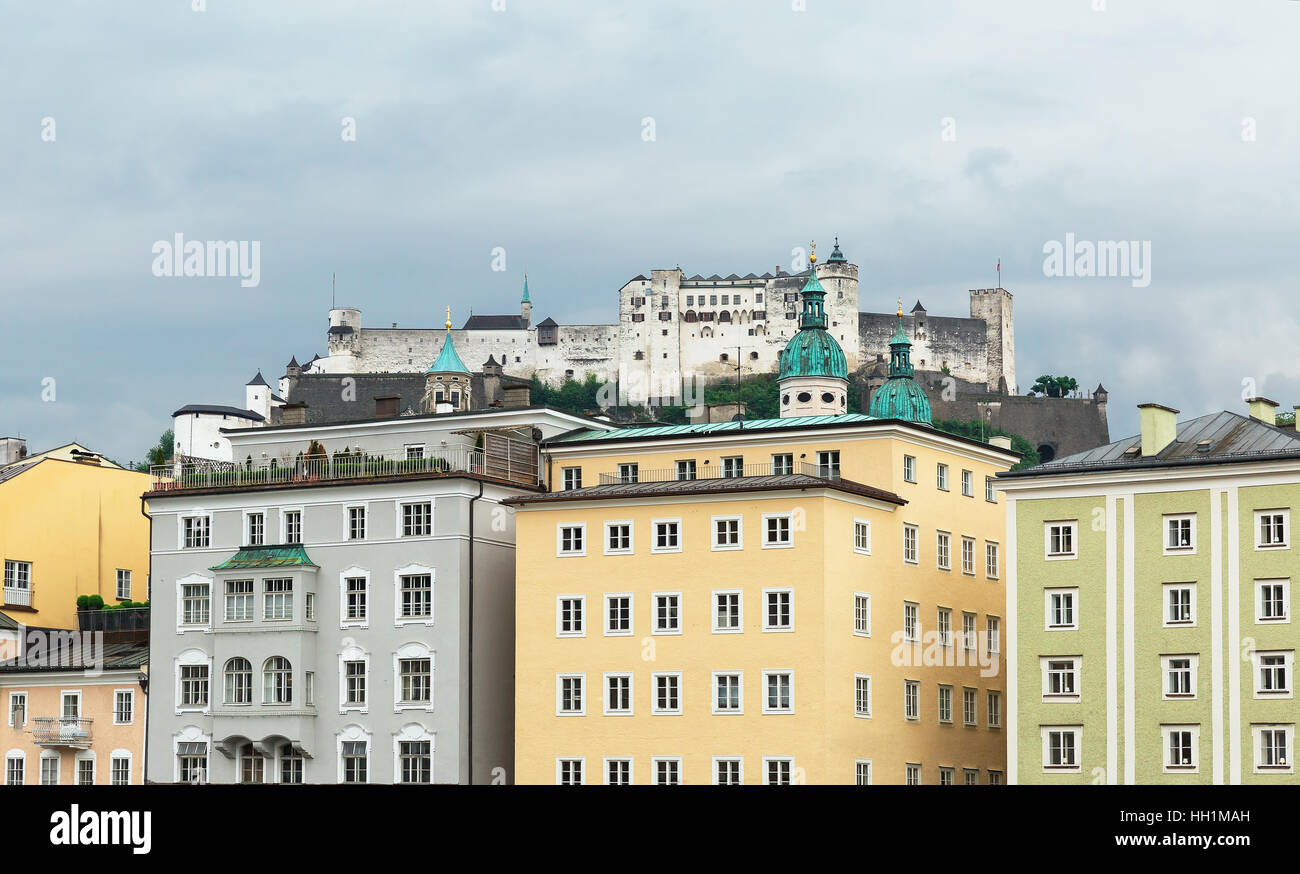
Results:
144 766
469 647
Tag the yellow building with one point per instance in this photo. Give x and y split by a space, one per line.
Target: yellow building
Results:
815 598
70 524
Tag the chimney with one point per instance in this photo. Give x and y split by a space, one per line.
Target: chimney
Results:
1263 409
1001 442
12 449
293 414
1159 427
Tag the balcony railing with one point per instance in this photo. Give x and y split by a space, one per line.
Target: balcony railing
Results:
114 619
672 474
18 596
511 460
63 731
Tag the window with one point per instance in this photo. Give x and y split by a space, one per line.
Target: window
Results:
571 540
941 477
1060 605
994 704
1271 528
861 695
628 473
196 531
993 627
618 694
995 778
1060 678
1180 534
971 776
862 772
779 694
728 772
991 561
277 599
911 625
354 683
968 483
277 681
17 709
618 772
416 592
727 532
727 615
667 615
1273 599
192 762
782 464
862 536
119 773
861 614
667 536
569 700
1273 674
1060 539
123 589
733 466
913 775
569 611
568 772
238 675
969 635
944 626
255 530
1272 748
356 523
1180 675
1180 743
572 477
686 469
293 526
909 544
727 693
667 694
252 766
943 560
778 614
355 599
777 531
355 760
1061 748
415 680
85 772
309 688
239 600
417 519
50 770
194 686
909 468
195 604
945 776
968 706
618 614
945 704
618 538
123 706
71 705
1180 604
968 556
912 699
777 772
291 764
990 491
828 464
668 772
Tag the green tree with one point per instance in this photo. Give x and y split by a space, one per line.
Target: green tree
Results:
160 454
976 430
1054 386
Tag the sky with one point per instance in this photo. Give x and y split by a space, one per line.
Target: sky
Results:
592 141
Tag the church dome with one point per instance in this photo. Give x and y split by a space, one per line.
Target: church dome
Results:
813 352
900 397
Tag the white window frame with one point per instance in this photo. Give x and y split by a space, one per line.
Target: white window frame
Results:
943 550
1171 518
1285 618
1285 513
857 768
364 507
993 715
1256 732
559 693
778 629
992 637
788 760
1165 591
858 713
740 611
1076 669
941 476
630 710
9 717
631 537
945 718
192 580
915 531
858 629
778 711
654 613
1288 665
967 483
968 545
400 529
567 478
909 468
912 608
560 528
1048 611
1170 768
654 694
354 573
1077 731
1194 676
912 699
354 653
631 614
190 658
131 693
559 616
861 526
740 693
580 761
1073 526
412 570
119 580
990 489
992 550
284 525
120 755
654 769
248 516
180 528
788 543
626 760
654 535
740 770
740 533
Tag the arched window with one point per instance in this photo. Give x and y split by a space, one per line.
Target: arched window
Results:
239 681
277 681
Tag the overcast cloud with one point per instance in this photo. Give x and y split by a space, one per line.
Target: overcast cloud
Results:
523 129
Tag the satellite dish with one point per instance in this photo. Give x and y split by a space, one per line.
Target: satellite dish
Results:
537 435
739 417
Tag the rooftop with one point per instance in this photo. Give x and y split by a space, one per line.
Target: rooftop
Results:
711 486
289 555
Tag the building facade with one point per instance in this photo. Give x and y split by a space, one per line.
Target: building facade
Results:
338 607
1149 587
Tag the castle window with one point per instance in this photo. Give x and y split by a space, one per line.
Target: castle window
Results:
758 297
690 300
638 317
638 355
753 355
455 399
665 316
722 357
713 299
803 397
663 302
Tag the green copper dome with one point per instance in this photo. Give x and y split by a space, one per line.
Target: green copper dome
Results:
812 351
448 361
900 397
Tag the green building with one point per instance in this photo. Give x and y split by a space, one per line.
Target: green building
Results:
1150 631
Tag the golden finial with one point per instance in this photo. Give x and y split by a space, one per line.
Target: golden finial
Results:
812 245
900 307
448 318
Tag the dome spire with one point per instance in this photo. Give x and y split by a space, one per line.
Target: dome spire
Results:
814 371
900 397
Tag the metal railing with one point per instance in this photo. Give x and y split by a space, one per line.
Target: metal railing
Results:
18 596
514 465
719 471
63 731
114 619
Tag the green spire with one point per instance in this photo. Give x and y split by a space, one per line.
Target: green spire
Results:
526 299
813 351
448 361
900 397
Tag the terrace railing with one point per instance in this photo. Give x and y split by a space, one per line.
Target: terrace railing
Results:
719 471
63 731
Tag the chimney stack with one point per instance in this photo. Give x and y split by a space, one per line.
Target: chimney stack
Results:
1001 442
1263 409
293 414
1159 427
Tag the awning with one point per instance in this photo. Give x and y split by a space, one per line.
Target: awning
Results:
266 557
190 748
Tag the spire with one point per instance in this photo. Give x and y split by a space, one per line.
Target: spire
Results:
900 350
900 397
526 298
813 316
837 257
449 319
448 361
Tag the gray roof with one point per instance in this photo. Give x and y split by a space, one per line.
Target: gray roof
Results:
257 380
495 323
217 410
10 471
1215 438
712 485
323 394
113 656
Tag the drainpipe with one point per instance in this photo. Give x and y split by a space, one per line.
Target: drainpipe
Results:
148 591
469 648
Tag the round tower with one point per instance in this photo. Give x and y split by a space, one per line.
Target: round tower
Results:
814 376
447 381
900 397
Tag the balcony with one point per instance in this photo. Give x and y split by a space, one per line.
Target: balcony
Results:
18 596
63 731
513 461
664 475
115 620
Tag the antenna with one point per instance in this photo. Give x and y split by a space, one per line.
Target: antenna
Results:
333 276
